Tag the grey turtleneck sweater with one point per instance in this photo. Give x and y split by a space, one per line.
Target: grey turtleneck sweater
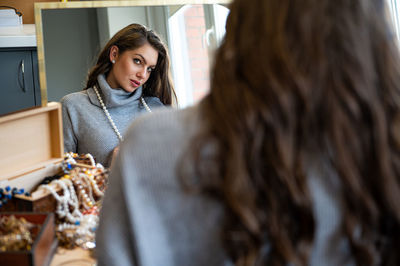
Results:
87 128
148 219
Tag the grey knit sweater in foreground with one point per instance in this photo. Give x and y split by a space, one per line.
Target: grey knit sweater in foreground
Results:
86 127
147 219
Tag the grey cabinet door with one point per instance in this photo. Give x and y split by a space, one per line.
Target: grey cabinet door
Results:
17 87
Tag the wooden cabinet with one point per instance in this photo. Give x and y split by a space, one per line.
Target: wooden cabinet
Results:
19 79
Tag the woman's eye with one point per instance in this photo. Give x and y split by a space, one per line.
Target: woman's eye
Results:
137 61
150 69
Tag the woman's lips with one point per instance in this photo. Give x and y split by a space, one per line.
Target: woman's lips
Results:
135 83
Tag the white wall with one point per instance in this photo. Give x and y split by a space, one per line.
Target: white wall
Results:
112 19
71 44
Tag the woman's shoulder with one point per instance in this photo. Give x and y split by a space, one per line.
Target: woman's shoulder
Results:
163 124
74 98
153 101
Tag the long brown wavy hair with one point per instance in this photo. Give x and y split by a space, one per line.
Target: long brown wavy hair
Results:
132 37
294 78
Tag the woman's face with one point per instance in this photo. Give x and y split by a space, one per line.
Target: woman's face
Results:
132 68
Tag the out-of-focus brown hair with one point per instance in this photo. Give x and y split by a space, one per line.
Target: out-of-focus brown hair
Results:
293 79
132 37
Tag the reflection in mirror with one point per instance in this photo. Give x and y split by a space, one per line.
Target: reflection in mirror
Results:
72 39
195 32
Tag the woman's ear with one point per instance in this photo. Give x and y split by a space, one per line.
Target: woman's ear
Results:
113 53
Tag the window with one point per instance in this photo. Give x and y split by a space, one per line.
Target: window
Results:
394 12
194 32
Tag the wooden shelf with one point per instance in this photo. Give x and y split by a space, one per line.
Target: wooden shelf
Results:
76 257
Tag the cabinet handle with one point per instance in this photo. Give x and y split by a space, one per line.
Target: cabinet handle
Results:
22 70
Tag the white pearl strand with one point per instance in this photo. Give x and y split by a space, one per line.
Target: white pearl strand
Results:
83 226
109 116
87 228
86 200
70 158
82 234
68 198
95 187
93 163
89 178
90 157
73 202
88 196
145 104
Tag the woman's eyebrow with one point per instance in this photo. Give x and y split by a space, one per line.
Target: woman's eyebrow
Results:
144 60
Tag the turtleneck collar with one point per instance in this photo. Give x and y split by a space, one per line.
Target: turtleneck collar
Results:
113 97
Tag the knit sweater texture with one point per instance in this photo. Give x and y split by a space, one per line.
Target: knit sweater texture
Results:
86 127
148 219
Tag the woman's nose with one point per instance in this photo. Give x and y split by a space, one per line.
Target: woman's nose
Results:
142 73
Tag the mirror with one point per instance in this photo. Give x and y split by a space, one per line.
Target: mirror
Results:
71 34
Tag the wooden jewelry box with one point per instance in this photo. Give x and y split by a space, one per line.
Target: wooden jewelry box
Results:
32 148
44 244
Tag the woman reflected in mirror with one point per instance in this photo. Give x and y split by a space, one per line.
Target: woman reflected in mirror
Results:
131 77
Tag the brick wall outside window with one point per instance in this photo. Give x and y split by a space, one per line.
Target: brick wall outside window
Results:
198 55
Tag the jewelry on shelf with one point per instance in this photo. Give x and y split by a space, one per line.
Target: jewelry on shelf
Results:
85 161
64 202
17 234
70 157
95 187
109 116
84 190
90 157
82 234
78 194
78 191
8 193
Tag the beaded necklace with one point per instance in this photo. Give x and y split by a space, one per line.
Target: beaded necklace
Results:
109 116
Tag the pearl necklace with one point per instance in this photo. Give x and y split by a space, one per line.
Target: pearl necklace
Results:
109 116
145 104
67 200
